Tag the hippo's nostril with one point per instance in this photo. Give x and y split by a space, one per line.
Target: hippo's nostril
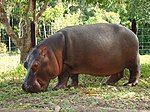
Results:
25 88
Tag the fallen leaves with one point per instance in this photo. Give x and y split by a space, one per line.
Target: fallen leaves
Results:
83 90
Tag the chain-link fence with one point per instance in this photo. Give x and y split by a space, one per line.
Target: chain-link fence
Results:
144 37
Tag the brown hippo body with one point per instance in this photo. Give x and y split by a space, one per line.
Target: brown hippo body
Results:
100 49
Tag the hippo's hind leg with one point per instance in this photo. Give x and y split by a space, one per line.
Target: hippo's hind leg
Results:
114 78
134 74
74 81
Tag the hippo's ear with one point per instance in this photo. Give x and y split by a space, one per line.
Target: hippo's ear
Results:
44 51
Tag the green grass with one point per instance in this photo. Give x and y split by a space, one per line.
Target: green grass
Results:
89 95
145 59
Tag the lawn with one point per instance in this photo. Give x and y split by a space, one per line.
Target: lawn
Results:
8 62
91 96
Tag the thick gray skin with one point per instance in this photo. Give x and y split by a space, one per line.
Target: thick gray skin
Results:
99 49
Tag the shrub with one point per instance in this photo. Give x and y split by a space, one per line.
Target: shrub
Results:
3 48
101 16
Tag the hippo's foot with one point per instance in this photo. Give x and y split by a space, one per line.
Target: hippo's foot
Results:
131 84
134 74
75 85
60 86
105 83
74 82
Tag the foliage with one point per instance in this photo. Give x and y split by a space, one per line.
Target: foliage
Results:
3 48
53 12
72 12
103 16
63 15
130 9
1 27
120 7
102 3
13 75
60 17
139 9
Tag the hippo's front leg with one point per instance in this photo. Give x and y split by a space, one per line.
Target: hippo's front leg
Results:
74 83
62 80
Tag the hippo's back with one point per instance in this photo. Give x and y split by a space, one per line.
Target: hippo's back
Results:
99 46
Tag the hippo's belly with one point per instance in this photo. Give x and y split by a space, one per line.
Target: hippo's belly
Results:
103 67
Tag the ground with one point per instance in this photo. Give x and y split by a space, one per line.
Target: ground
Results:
8 62
91 96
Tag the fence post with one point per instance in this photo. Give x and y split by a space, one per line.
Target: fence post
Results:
133 26
33 38
9 40
44 27
1 35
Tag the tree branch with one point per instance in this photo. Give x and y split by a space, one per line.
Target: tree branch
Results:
27 17
4 21
38 15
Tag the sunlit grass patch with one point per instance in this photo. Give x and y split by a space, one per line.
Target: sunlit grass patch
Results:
8 62
145 59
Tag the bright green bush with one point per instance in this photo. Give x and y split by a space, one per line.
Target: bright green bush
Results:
101 16
59 17
16 74
3 48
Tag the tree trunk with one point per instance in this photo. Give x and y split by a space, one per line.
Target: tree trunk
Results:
23 55
25 46
8 28
24 42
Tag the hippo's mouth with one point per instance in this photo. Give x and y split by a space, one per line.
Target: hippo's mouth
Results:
38 86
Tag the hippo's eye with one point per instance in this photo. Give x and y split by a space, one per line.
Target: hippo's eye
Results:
35 66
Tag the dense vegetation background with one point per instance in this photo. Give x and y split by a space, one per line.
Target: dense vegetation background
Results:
50 16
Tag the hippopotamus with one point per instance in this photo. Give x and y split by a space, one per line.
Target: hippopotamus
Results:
102 49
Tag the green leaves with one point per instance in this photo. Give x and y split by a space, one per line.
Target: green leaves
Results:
3 48
101 15
139 9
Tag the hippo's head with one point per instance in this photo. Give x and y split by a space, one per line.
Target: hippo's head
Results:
39 71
